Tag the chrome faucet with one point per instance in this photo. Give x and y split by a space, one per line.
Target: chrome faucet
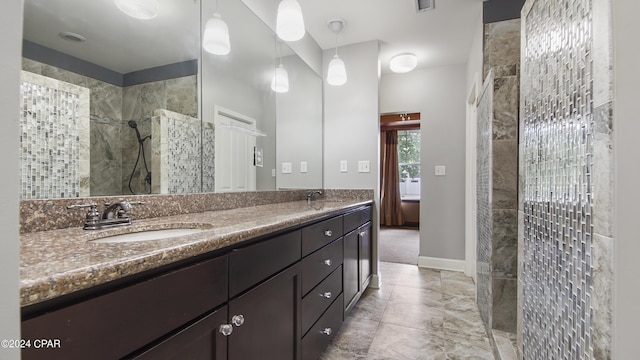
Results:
117 214
311 195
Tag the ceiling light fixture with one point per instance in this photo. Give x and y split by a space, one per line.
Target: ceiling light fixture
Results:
289 21
216 35
403 63
337 73
71 36
280 81
139 9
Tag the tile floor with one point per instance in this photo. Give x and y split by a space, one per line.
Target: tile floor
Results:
416 314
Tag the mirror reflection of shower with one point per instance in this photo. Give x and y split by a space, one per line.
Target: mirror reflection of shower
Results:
141 140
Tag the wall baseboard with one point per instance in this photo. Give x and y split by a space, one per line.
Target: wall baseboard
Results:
441 264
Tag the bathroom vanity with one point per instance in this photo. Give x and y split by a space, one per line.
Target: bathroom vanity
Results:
268 282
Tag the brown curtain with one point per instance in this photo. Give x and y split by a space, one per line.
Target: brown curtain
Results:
390 202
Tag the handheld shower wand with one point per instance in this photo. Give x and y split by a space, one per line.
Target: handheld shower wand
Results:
147 179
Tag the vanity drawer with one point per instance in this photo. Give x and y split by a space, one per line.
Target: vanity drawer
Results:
113 325
318 265
250 265
355 219
318 235
319 299
317 339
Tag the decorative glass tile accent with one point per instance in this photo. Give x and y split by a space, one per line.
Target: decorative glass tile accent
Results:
483 211
49 141
557 142
184 166
208 157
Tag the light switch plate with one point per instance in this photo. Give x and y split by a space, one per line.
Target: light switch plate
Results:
440 170
303 166
343 166
273 172
286 168
364 166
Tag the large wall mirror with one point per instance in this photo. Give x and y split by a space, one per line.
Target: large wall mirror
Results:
115 105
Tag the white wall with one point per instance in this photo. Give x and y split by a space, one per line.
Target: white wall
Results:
11 44
351 126
439 94
626 129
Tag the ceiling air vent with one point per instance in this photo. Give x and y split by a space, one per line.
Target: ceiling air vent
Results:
424 5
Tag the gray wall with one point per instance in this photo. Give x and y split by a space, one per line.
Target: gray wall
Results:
439 95
299 127
351 129
11 27
627 78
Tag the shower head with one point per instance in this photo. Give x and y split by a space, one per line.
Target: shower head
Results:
133 124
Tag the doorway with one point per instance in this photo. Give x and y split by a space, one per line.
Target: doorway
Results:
399 239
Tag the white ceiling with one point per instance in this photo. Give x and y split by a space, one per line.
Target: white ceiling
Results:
438 37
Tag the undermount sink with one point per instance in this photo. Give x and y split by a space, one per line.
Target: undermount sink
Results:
148 235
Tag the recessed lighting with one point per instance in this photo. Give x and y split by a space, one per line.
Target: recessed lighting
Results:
403 63
73 37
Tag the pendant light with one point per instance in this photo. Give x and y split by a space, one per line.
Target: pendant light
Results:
216 35
280 81
337 73
139 9
289 21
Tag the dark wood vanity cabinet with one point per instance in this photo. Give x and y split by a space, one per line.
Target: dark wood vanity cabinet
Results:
281 297
357 255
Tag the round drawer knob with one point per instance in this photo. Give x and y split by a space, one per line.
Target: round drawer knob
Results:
226 329
328 262
328 233
326 295
237 320
327 331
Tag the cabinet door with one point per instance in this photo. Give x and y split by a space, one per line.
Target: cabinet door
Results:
270 323
200 341
350 269
364 235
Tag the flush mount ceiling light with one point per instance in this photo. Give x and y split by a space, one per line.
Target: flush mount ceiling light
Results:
289 21
139 9
403 63
71 36
337 73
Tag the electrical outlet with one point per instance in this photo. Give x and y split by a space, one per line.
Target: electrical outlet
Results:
273 172
440 170
364 166
303 166
286 168
343 166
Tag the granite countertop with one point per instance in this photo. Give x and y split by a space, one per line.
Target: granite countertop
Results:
59 262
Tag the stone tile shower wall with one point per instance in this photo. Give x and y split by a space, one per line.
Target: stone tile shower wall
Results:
497 172
114 145
566 175
176 145
54 138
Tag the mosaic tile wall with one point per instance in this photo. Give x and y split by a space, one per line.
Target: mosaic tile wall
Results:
175 153
54 138
208 157
483 205
557 144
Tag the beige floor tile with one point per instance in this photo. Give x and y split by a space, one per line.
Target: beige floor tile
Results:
414 316
397 342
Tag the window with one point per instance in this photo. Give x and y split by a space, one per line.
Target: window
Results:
409 163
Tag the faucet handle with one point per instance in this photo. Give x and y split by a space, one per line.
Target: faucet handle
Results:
92 215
